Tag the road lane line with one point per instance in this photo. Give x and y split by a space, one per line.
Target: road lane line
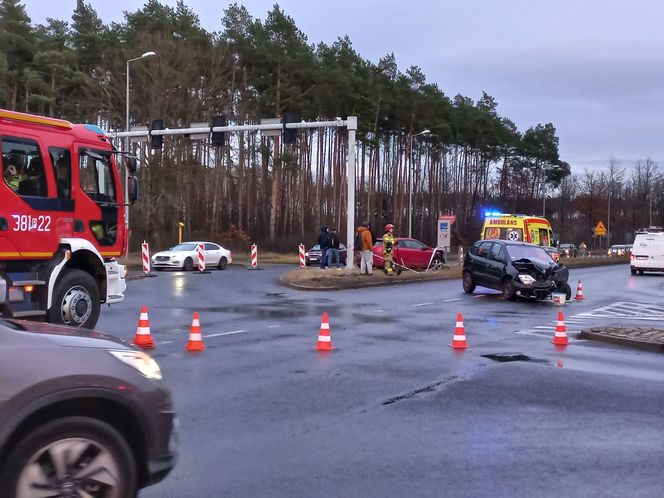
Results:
273 326
546 327
225 333
451 300
164 342
421 304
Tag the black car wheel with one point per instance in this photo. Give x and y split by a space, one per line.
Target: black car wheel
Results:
508 289
71 456
468 283
632 270
222 263
567 290
188 264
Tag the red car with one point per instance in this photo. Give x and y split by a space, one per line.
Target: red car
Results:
410 253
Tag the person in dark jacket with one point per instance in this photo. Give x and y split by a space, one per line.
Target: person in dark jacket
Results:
333 249
324 243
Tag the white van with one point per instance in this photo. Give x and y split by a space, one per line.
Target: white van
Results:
647 251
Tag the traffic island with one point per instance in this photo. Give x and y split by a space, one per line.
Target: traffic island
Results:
643 338
317 279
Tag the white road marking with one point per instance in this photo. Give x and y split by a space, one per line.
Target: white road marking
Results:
273 326
225 333
421 304
451 300
547 327
479 295
164 342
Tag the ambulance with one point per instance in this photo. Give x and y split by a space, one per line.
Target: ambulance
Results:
520 227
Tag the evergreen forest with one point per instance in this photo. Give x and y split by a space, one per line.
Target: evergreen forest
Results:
256 188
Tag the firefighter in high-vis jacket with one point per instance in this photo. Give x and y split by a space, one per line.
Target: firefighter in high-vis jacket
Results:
388 248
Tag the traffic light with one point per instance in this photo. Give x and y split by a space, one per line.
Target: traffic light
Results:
219 137
290 134
156 141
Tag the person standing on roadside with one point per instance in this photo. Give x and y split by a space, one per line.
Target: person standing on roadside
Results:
366 244
323 242
333 249
388 249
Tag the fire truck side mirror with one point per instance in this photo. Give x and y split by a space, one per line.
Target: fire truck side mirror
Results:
132 189
132 164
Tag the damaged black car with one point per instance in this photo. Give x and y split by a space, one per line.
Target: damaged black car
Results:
517 269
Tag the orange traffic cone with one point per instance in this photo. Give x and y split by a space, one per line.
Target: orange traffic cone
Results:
143 339
579 292
324 339
195 342
560 339
459 339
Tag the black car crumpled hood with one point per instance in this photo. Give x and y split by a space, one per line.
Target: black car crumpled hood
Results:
544 270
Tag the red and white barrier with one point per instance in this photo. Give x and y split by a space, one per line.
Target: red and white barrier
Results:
201 258
145 250
254 256
302 262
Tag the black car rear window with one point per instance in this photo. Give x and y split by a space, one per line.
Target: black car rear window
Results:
528 252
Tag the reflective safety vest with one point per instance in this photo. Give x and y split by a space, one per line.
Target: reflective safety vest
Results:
388 242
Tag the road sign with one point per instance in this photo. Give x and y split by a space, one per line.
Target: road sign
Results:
444 230
600 230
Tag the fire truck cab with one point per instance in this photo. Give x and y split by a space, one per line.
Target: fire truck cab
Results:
62 220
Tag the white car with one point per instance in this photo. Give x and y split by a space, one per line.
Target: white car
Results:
185 257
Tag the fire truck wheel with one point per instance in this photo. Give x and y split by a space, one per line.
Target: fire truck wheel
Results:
75 300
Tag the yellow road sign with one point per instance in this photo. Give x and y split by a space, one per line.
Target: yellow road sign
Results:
600 230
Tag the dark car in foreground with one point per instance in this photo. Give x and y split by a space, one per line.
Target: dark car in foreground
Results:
515 268
81 414
312 256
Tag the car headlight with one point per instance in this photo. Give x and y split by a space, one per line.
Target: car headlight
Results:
306 254
526 279
140 361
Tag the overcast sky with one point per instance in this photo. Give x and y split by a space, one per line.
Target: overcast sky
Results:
595 69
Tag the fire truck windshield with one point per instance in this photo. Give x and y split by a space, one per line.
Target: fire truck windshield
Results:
97 179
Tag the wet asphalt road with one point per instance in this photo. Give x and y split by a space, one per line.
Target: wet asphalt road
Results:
394 411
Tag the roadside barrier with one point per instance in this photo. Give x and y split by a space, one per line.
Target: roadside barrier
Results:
579 292
143 338
145 252
195 342
201 260
301 250
560 339
459 339
254 258
324 338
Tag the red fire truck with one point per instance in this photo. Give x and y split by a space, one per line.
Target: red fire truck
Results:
62 219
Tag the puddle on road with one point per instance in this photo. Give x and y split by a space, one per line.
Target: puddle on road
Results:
373 318
506 357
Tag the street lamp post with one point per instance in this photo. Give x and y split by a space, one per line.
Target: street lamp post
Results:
410 184
144 56
128 140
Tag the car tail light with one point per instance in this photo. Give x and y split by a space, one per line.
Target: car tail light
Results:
631 257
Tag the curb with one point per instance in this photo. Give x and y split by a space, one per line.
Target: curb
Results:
653 347
363 285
